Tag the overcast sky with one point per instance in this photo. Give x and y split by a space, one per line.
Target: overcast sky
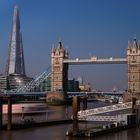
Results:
86 27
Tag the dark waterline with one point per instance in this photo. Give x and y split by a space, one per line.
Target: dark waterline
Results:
58 133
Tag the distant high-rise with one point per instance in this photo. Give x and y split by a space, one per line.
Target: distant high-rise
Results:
15 68
15 63
80 79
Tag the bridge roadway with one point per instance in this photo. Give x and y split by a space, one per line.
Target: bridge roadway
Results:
119 93
70 94
96 61
14 94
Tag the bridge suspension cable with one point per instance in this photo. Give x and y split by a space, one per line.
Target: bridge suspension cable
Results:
34 83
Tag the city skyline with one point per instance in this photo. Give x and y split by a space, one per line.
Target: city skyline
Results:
95 28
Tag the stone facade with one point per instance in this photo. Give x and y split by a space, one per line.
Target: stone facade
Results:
59 77
133 60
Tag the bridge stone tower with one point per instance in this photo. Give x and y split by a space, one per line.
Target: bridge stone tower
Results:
133 60
59 70
59 75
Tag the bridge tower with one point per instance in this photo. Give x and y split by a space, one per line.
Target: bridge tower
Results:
59 70
133 60
59 77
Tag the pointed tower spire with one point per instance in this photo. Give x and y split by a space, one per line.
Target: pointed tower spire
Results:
15 63
53 49
135 42
66 52
139 44
60 45
135 36
129 45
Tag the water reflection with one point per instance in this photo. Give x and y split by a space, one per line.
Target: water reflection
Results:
130 134
58 132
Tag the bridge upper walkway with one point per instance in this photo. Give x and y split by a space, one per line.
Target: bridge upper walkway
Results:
96 61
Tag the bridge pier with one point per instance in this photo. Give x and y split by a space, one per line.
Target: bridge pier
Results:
136 110
1 110
133 105
9 125
84 103
76 107
56 98
138 115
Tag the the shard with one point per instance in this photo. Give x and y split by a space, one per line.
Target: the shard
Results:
15 63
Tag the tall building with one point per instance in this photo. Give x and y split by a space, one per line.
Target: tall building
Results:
73 85
15 68
15 63
133 59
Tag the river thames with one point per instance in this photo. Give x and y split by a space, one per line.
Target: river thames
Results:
57 132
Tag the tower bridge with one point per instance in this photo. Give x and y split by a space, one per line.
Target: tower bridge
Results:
60 62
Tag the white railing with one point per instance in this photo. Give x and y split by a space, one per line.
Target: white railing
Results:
106 109
99 118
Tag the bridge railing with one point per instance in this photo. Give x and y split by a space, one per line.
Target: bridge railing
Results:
99 118
106 109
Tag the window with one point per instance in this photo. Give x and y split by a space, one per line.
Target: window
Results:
56 61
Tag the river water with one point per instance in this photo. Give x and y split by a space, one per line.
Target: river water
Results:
58 132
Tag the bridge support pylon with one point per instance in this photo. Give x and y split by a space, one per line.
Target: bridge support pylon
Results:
1 110
76 107
134 105
9 113
59 73
84 100
133 62
9 125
